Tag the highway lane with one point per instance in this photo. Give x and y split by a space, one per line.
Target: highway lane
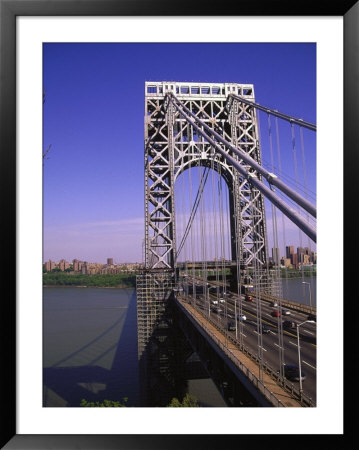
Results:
248 332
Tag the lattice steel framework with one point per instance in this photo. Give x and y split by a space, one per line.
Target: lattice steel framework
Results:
153 290
172 145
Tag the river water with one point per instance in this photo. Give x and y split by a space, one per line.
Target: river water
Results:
293 289
90 346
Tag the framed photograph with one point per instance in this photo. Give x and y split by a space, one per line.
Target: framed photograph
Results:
50 52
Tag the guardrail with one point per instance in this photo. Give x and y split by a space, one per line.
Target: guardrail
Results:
287 303
305 400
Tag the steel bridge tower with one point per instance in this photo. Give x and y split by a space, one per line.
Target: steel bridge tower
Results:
172 146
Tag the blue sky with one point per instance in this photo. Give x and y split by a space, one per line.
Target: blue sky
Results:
93 183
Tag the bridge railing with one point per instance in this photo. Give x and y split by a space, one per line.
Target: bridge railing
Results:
289 387
288 303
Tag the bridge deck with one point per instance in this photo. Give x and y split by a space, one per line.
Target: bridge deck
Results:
240 359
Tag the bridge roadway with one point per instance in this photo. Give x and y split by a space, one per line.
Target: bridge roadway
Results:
269 387
270 344
247 334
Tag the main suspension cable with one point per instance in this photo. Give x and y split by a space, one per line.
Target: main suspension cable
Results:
270 177
273 112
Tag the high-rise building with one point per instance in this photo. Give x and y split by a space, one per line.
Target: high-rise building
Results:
84 267
289 250
294 260
306 259
63 265
77 265
49 265
302 252
110 261
286 262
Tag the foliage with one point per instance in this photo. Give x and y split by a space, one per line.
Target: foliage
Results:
298 273
189 401
98 280
70 268
104 403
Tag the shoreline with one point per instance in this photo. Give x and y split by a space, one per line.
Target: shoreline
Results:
79 286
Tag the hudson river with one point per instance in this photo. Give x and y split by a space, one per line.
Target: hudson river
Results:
90 346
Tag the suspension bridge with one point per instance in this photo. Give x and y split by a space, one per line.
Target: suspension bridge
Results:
219 192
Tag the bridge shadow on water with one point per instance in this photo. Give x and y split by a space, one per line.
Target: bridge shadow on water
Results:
67 385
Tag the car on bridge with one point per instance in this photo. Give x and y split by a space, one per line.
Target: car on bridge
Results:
217 309
241 317
312 317
248 298
275 313
285 312
231 326
289 324
273 304
265 329
291 372
222 300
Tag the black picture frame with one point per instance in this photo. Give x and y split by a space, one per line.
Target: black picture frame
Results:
9 10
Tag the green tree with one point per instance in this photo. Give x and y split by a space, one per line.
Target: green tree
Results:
175 403
104 403
189 401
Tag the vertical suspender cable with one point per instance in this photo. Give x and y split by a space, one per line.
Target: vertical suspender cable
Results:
223 269
276 256
306 193
283 218
258 271
227 232
194 293
237 228
215 236
220 198
301 255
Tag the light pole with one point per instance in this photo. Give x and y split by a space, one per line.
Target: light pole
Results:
206 294
299 361
310 292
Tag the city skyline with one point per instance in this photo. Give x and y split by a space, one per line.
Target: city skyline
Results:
93 199
113 261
